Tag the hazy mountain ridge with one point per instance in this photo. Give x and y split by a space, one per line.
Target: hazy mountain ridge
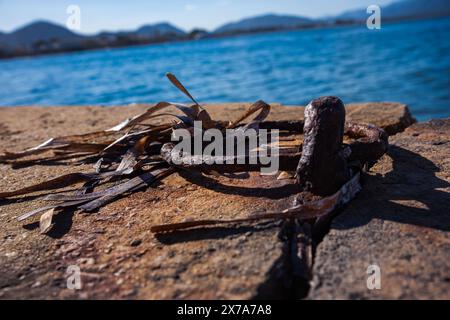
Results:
403 9
39 31
45 37
267 21
164 28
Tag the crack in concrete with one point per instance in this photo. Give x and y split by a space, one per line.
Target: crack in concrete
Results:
291 275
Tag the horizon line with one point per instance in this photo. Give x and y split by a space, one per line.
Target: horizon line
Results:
174 24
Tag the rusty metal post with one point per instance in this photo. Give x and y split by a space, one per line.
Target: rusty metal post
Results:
322 168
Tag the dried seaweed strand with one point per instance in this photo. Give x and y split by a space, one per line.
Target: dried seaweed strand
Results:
305 211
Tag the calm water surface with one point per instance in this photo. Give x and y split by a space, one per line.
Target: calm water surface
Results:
405 62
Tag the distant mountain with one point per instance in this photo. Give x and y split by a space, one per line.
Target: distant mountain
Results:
403 10
40 31
264 22
197 34
45 37
161 29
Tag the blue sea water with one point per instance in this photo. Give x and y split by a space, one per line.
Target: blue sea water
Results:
406 62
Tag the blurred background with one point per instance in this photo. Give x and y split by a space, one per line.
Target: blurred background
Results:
286 51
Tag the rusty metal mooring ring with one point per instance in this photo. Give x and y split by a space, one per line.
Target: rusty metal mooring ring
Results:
323 165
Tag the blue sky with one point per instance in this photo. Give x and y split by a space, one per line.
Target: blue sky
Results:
110 15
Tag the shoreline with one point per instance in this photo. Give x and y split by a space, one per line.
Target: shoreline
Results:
214 37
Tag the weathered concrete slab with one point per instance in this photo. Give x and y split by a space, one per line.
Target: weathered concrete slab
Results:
392 117
117 254
400 222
